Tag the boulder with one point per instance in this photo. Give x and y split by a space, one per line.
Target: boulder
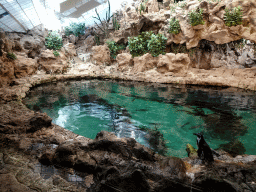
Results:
144 63
124 60
173 62
6 72
101 55
153 6
24 66
52 64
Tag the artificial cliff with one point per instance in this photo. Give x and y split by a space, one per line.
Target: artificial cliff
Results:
209 54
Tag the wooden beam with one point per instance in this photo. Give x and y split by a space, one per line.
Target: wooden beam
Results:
14 18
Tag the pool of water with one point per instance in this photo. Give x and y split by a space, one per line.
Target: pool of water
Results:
226 116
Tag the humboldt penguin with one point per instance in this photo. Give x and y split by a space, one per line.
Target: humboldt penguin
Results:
204 152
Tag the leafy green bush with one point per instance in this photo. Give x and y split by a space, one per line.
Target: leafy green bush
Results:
114 48
56 53
53 41
233 17
196 17
75 29
147 42
139 45
174 26
157 44
11 56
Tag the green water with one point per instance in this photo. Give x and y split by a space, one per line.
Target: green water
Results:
89 106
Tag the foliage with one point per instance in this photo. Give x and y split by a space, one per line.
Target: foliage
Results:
75 29
196 17
11 56
97 39
56 53
138 45
115 23
114 48
142 7
233 17
53 41
182 5
174 26
147 42
104 22
157 44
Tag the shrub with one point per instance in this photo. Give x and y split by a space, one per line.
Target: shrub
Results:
114 48
53 41
157 44
196 17
147 42
11 56
233 17
138 45
75 29
174 26
56 53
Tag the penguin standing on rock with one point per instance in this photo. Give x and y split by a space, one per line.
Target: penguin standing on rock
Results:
204 152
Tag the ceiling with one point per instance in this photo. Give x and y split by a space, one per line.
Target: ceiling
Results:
23 15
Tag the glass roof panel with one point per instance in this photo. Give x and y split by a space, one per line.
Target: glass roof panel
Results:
26 14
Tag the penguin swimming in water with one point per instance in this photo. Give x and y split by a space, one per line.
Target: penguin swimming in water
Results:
204 152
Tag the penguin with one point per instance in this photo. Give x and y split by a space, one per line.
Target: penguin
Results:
204 152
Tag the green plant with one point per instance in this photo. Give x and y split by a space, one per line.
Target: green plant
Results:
11 56
53 41
115 23
114 48
157 44
138 45
97 39
174 26
75 29
142 7
104 22
147 42
56 53
233 17
196 17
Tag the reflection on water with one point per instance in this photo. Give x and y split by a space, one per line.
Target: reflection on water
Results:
226 116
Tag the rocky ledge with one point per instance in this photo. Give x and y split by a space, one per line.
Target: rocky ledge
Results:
29 139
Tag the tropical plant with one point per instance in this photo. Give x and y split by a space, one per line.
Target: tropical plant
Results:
139 45
147 42
75 29
114 48
174 26
115 23
56 53
157 44
97 39
104 22
233 17
53 41
11 56
196 17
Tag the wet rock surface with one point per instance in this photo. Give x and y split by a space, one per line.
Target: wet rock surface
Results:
106 163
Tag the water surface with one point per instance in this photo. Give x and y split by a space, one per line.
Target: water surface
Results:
225 115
